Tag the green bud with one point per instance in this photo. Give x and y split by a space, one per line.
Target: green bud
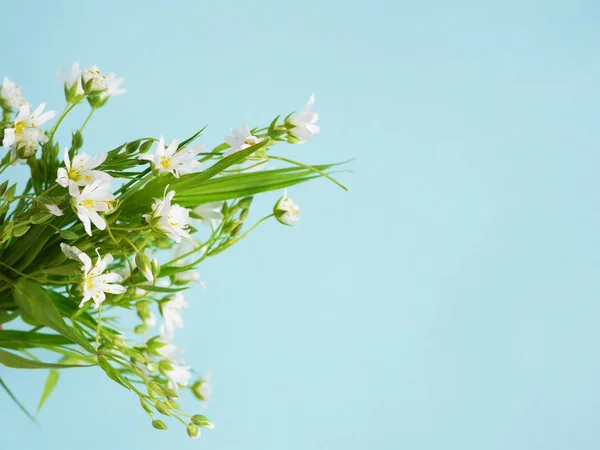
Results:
10 192
77 140
244 215
146 146
140 329
170 392
162 408
236 230
143 265
68 235
40 218
155 267
193 431
153 345
165 366
7 231
20 229
159 425
143 304
246 202
202 421
173 404
229 226
132 146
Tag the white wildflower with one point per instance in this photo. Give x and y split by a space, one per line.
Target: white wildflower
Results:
202 389
94 198
241 139
107 86
179 375
169 160
286 211
80 172
171 312
210 213
24 134
10 94
97 280
305 122
173 220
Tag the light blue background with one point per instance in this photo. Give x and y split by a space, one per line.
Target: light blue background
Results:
449 301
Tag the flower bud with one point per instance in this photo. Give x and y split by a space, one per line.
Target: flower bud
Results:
285 211
155 267
162 408
143 264
140 329
193 431
245 202
159 425
165 366
202 421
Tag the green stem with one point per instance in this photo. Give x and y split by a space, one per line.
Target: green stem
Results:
314 169
87 119
98 325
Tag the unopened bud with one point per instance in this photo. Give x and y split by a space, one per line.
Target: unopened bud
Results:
162 408
143 264
193 431
159 425
202 421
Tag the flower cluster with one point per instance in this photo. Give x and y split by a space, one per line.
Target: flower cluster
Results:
150 212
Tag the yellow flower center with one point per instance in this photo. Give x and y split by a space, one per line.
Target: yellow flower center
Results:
88 282
87 203
165 162
19 127
74 175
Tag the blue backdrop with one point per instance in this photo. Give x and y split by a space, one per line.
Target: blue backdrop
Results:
448 301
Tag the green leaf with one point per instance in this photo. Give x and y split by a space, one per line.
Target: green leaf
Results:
24 339
18 362
161 289
191 138
51 382
16 400
34 301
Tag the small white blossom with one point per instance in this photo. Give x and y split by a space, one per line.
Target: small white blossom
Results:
173 220
171 352
71 78
97 281
54 210
171 312
169 160
81 171
241 140
94 198
10 94
109 85
305 122
286 211
24 133
179 376
186 276
203 389
210 213
150 321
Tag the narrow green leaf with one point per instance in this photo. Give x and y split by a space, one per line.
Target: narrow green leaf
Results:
24 339
18 362
16 400
112 373
51 382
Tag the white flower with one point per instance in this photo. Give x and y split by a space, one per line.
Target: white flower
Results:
71 78
179 375
94 198
171 352
203 389
186 276
97 281
81 171
210 213
169 160
241 139
171 312
24 132
54 210
108 85
305 122
10 93
173 220
286 211
150 321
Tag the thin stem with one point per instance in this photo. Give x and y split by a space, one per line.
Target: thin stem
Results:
87 119
314 169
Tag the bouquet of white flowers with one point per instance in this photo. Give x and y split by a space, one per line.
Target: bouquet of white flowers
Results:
89 234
